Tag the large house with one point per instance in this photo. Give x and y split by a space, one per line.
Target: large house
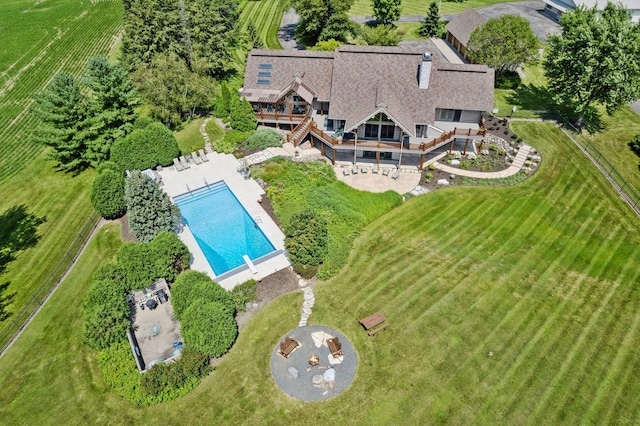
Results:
459 30
366 103
556 8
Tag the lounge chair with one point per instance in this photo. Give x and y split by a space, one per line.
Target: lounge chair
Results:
385 172
395 175
184 162
375 169
364 169
345 171
287 346
195 157
335 347
203 156
354 169
176 163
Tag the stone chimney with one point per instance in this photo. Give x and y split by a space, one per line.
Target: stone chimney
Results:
425 71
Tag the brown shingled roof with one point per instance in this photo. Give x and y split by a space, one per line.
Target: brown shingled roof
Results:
313 69
462 25
360 81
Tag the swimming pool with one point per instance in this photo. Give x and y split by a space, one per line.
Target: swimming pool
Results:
222 227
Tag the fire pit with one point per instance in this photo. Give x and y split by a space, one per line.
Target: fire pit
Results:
314 360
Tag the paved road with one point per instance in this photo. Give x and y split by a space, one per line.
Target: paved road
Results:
540 23
635 106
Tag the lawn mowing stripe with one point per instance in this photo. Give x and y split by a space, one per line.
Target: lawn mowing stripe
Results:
618 372
576 350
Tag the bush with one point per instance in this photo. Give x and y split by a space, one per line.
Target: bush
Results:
432 166
243 119
146 148
307 238
465 165
106 324
209 327
107 193
192 288
163 380
263 138
634 144
243 294
305 271
231 141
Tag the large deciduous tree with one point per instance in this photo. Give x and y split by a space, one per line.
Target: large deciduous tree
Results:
150 210
173 91
321 20
503 43
596 59
386 11
430 26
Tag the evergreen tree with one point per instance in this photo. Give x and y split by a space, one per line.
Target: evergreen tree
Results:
430 26
150 210
223 102
65 126
107 191
254 39
381 35
243 118
386 11
112 101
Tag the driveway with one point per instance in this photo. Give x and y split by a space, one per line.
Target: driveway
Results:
540 23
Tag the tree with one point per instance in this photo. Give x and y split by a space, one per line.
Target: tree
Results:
62 109
255 41
322 20
193 288
112 100
107 193
223 102
243 118
150 210
381 35
172 89
327 45
503 43
307 238
595 60
386 11
146 148
430 25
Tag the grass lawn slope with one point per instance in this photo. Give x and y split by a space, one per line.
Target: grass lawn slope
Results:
507 305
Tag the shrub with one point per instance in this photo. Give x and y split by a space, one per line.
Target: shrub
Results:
507 80
243 294
263 138
106 324
472 156
146 148
231 141
429 176
305 271
432 166
170 255
493 147
193 287
163 380
484 152
307 238
634 144
107 193
457 155
381 35
209 327
150 209
465 165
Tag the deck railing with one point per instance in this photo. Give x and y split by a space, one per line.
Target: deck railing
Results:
299 132
446 136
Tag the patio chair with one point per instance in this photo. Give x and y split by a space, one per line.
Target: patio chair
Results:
385 172
195 157
364 169
203 156
375 169
184 162
345 171
354 169
395 175
189 159
176 163
335 347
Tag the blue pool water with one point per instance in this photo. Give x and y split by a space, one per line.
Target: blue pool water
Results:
222 227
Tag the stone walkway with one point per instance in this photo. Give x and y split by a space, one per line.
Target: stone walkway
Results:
307 305
518 164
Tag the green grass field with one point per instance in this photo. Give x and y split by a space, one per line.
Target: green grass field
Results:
39 39
44 37
189 137
542 275
419 7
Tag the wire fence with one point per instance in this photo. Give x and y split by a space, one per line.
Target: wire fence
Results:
626 191
19 320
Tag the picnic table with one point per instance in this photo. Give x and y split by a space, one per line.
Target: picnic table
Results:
373 320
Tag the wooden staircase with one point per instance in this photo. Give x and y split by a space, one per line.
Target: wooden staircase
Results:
299 132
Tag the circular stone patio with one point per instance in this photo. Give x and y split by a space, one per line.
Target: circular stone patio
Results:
302 381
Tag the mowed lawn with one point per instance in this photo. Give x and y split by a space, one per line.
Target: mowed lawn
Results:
419 7
41 38
507 305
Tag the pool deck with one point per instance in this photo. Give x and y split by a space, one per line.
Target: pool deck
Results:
223 167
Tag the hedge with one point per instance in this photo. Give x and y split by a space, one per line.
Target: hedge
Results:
146 148
209 328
